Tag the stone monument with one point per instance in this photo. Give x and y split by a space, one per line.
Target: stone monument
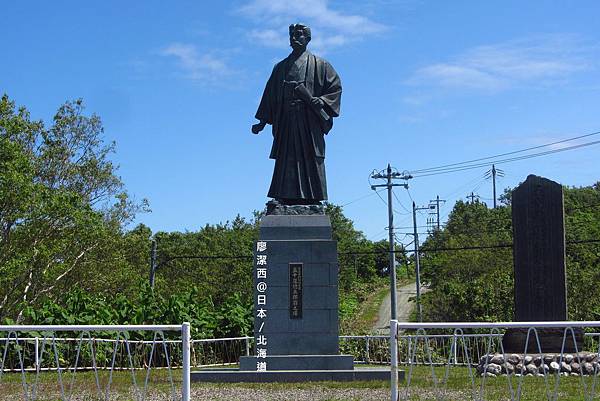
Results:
296 324
296 296
539 265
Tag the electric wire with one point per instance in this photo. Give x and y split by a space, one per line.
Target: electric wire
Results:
508 160
504 154
361 198
401 204
421 250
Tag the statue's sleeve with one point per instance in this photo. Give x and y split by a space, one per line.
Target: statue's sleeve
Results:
332 91
266 110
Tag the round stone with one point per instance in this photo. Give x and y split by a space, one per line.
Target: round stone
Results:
494 368
508 368
531 369
565 367
485 359
498 359
520 368
514 359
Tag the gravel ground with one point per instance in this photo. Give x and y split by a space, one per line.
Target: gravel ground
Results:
301 394
241 394
221 393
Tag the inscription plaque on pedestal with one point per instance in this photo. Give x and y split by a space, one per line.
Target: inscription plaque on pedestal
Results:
295 290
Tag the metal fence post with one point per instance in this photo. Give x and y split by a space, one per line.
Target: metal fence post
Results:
394 358
185 340
37 352
367 358
247 346
455 353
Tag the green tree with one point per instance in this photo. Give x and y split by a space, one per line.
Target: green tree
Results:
477 284
62 203
469 285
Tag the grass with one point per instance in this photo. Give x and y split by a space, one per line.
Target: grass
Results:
459 388
366 316
362 322
85 388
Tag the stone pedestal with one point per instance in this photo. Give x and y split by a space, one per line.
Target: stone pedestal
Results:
301 296
296 324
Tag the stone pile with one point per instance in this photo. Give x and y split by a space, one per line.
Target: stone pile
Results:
584 363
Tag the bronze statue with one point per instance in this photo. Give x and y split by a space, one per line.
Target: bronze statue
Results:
300 100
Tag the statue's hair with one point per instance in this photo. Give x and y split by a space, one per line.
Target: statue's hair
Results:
305 28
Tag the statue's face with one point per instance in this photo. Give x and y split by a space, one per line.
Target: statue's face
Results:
298 39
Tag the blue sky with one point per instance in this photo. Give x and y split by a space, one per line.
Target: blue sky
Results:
425 83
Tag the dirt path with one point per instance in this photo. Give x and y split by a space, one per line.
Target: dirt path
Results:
403 307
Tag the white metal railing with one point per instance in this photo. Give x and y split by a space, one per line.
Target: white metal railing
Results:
203 353
439 351
17 349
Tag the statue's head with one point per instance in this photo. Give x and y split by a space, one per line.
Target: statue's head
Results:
299 36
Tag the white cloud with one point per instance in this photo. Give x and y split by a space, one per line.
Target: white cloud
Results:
269 38
540 60
197 66
330 28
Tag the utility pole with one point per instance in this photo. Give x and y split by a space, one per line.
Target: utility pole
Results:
417 259
437 201
389 175
494 182
152 263
472 197
493 173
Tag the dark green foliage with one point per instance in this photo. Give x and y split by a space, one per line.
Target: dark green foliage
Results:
62 207
361 263
229 318
217 259
477 285
66 256
582 208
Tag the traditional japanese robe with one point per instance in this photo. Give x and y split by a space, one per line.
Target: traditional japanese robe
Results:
298 131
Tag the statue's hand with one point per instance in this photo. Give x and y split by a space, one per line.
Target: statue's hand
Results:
317 102
256 128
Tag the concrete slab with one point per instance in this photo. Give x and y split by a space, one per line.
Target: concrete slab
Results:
299 362
292 376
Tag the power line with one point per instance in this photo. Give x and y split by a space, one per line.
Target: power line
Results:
380 251
384 202
470 248
503 154
470 167
467 184
401 204
361 198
